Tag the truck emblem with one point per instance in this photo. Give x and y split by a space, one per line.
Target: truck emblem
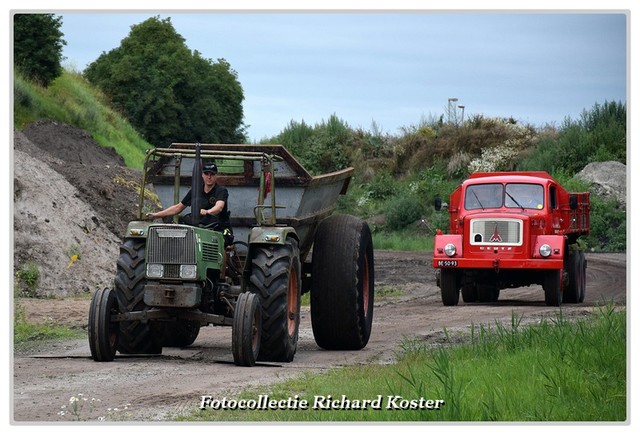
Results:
496 236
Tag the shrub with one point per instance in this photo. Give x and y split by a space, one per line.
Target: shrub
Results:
27 279
403 211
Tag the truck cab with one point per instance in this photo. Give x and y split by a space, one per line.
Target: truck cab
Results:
511 229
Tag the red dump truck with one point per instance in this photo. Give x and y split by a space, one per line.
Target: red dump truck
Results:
508 230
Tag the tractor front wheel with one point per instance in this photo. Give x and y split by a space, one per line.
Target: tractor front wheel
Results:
103 332
246 330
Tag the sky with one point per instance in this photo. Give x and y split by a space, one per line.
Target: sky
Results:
391 70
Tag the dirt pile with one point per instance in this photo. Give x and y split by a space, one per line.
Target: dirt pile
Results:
72 201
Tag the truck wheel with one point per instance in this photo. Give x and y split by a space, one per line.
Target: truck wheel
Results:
469 289
180 333
449 288
136 337
553 288
103 333
571 294
276 278
342 283
488 293
245 332
583 281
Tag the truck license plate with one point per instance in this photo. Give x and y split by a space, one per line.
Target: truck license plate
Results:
447 263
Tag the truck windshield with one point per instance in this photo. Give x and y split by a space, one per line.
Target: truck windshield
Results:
483 196
524 195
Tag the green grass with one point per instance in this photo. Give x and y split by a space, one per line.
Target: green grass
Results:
403 240
25 333
70 99
554 371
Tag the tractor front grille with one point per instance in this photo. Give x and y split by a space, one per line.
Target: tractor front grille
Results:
171 245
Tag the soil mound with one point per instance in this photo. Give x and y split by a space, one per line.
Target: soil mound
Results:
72 197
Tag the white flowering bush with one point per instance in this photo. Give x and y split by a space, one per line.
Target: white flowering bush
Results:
498 158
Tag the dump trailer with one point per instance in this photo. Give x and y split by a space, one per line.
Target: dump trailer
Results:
512 229
175 277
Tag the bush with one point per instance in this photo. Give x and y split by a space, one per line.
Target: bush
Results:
403 211
27 279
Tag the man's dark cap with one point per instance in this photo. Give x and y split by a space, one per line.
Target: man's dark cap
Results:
210 168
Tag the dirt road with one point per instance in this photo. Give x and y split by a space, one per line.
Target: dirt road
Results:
162 387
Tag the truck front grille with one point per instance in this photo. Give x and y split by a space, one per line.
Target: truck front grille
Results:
496 231
171 245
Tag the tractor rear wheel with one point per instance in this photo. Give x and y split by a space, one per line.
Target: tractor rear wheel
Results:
103 333
342 283
276 278
136 336
180 333
246 329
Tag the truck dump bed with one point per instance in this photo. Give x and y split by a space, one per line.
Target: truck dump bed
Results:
301 200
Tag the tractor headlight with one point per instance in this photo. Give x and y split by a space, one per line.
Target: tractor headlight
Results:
188 271
545 250
155 270
450 249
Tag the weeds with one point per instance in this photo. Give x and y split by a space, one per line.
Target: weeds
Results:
80 408
27 279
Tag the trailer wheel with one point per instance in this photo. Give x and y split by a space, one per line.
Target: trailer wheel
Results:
342 283
553 288
103 333
276 277
449 288
136 337
246 330
180 333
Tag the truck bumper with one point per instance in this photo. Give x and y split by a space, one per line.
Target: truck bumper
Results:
497 263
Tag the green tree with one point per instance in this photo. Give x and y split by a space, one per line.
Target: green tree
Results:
168 93
37 46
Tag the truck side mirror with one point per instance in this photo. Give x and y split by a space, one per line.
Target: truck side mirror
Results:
573 202
437 203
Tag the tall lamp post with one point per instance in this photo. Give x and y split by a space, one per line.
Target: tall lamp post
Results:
462 107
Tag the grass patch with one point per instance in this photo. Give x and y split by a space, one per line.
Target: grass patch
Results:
403 240
25 332
554 371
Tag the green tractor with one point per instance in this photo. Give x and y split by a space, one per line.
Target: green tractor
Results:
174 278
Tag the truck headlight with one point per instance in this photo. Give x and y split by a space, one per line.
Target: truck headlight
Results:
188 271
155 270
545 250
450 249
